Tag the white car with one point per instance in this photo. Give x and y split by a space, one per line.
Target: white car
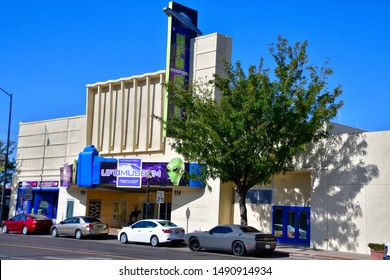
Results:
387 251
153 231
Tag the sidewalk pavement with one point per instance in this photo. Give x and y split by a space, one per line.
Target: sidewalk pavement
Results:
305 252
308 252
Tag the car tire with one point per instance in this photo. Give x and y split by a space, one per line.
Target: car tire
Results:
238 248
25 230
194 244
4 229
154 241
54 232
78 234
123 238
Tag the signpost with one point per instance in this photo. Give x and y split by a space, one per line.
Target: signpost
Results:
159 200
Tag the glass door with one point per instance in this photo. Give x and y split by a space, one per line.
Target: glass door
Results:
291 224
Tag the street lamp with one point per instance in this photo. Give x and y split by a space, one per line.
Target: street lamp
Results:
6 154
148 177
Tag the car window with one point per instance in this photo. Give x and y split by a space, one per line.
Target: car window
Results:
39 217
167 224
249 229
16 218
91 220
67 221
149 224
219 229
76 220
139 225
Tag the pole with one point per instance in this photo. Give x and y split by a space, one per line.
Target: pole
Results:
6 155
148 177
147 200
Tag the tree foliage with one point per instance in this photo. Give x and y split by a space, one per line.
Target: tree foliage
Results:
259 122
11 165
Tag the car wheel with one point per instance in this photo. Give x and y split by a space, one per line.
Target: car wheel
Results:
5 229
154 241
79 234
54 232
194 245
25 230
238 248
123 238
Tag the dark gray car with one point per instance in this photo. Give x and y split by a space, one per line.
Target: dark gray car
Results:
79 226
238 239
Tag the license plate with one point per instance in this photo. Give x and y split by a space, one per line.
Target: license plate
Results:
267 246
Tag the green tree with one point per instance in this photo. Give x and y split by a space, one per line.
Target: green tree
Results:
258 124
11 163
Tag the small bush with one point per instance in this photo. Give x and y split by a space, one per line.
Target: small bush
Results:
376 246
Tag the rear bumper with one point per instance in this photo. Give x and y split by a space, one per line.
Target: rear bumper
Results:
266 246
96 232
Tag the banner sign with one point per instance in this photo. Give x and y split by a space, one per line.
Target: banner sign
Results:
163 173
129 173
66 175
182 27
38 184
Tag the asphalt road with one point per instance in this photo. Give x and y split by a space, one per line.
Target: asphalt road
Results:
45 247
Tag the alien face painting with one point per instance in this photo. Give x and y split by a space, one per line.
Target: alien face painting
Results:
175 170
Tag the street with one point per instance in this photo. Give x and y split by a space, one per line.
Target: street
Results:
45 247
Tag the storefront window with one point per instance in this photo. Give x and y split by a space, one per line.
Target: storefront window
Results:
120 209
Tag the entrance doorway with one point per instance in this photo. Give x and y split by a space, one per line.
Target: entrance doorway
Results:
291 224
38 202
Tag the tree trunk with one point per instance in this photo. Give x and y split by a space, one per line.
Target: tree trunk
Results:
242 205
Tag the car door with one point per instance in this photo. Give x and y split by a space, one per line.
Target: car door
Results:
65 227
215 238
146 232
134 233
13 223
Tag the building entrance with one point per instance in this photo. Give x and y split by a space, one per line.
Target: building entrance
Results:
38 201
291 224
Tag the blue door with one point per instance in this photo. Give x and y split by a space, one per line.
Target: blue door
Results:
291 224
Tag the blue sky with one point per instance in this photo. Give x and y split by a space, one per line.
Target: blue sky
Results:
50 50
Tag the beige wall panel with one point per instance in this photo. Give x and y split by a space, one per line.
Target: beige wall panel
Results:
196 208
292 189
120 118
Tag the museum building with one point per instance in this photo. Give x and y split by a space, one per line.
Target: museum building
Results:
117 158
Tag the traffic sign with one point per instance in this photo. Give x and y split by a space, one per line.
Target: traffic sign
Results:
160 197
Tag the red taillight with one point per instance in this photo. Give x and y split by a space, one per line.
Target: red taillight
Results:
89 226
167 231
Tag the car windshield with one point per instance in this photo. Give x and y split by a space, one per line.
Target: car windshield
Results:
39 217
249 229
91 220
167 224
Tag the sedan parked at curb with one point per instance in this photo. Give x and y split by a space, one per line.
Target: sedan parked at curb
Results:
27 223
153 231
238 239
80 226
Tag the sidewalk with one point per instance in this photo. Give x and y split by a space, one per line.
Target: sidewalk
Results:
308 252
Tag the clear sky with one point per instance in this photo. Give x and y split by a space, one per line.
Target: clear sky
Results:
50 50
